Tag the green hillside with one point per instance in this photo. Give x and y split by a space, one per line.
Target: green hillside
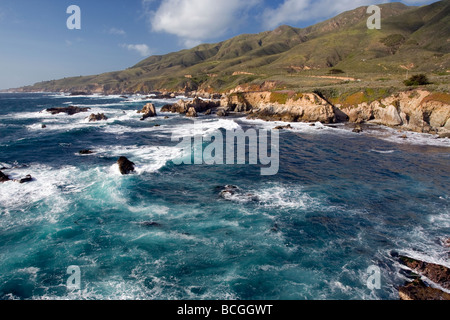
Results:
412 39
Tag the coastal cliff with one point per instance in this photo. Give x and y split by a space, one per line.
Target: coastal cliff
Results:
416 110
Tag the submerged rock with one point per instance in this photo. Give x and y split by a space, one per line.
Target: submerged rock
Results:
97 117
148 111
85 152
357 129
228 191
222 113
3 177
125 165
287 127
151 224
71 110
28 178
231 192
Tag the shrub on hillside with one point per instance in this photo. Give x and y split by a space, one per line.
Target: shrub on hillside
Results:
417 80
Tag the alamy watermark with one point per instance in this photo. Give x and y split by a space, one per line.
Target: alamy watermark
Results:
74 20
74 281
374 21
232 147
374 279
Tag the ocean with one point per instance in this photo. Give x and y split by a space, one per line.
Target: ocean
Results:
340 204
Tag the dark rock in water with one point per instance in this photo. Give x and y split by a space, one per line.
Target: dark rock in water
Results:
43 126
125 165
287 127
148 111
28 178
166 108
97 117
222 113
124 97
157 125
71 110
151 224
79 93
85 152
229 191
357 129
3 177
419 291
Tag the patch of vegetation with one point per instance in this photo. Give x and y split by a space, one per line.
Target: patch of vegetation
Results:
336 71
417 80
279 97
438 96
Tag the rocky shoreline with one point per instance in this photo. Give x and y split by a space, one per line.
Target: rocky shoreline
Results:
414 110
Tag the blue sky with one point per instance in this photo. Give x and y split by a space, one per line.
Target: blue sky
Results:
36 45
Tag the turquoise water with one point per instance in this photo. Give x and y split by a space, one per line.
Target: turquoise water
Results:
340 203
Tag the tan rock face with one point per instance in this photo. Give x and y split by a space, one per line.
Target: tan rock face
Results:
412 110
148 111
191 113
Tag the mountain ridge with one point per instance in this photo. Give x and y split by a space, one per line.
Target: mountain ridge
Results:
411 38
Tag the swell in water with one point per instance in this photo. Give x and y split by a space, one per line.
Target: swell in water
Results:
340 203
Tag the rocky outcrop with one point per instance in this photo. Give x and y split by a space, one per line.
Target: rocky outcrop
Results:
71 110
97 117
192 113
284 106
3 177
419 291
183 107
148 111
221 113
413 110
438 275
125 166
28 178
416 110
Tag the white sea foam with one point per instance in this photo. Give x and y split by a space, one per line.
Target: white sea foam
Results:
406 137
286 197
299 127
383 151
201 127
147 159
43 190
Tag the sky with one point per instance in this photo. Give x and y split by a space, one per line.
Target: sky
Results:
37 45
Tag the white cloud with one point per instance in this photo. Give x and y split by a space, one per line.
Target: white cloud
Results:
116 31
142 49
294 11
195 21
